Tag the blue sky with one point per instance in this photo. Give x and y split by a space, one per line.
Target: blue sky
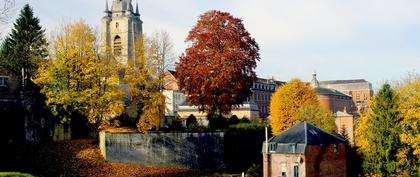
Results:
377 40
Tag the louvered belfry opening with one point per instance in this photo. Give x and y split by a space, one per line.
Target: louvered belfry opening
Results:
117 46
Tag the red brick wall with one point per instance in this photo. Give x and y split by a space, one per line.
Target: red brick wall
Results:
322 161
334 104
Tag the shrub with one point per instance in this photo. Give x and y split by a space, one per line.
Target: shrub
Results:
256 170
191 120
218 123
254 125
233 120
14 174
244 120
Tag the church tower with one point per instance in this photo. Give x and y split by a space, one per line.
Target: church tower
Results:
121 27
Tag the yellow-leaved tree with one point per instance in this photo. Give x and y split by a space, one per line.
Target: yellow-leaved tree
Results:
294 102
79 80
409 152
144 80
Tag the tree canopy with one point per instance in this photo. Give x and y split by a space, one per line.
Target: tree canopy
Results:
26 45
80 80
378 133
217 70
143 80
294 102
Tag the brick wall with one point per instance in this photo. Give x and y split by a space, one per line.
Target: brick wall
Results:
322 161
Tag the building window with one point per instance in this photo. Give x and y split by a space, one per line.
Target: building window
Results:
357 97
296 170
117 25
283 169
273 147
3 81
292 148
335 149
364 96
117 46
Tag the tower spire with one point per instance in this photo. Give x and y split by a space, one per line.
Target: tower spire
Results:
106 7
137 8
129 6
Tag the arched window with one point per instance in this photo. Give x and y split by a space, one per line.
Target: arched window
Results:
117 46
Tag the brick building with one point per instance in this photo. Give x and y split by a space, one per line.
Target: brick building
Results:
360 90
262 90
257 106
304 151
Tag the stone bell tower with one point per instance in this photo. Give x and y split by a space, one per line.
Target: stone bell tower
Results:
121 27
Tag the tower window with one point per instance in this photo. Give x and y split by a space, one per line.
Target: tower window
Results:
117 46
117 25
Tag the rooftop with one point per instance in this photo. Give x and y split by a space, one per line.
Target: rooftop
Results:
343 81
306 133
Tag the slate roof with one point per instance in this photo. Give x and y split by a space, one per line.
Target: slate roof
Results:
306 133
327 91
300 136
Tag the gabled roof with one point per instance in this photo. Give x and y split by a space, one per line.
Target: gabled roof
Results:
306 133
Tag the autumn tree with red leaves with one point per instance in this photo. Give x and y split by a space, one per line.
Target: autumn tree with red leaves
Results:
217 70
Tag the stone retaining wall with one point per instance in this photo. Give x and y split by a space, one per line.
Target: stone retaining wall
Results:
190 150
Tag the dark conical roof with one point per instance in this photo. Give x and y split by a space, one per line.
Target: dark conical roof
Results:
306 133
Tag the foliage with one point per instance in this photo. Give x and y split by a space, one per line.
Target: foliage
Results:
191 120
318 116
176 124
378 133
287 102
254 125
409 154
152 112
256 170
26 46
217 70
217 122
354 159
14 174
79 79
244 120
233 120
143 81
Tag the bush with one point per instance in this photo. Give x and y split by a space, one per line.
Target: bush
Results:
176 124
218 123
14 174
256 170
233 120
191 120
244 120
254 125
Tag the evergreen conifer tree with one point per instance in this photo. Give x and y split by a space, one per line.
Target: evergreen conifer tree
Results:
25 46
382 130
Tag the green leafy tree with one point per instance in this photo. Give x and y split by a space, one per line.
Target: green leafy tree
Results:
26 46
379 133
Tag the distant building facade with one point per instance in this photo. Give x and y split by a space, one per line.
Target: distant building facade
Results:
262 90
256 107
304 151
121 27
340 104
360 90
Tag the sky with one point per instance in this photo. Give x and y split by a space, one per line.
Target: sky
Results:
376 40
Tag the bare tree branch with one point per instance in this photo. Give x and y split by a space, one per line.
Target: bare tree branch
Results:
6 7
